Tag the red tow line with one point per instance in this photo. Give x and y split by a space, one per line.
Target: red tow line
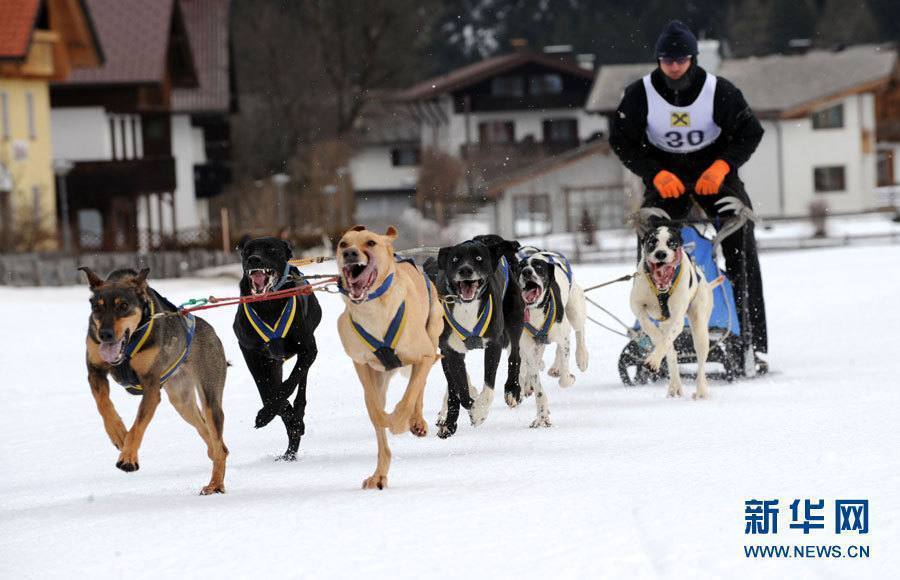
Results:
305 290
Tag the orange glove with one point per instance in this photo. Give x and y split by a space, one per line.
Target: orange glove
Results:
668 184
711 180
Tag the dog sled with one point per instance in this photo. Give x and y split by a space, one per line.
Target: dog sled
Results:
730 335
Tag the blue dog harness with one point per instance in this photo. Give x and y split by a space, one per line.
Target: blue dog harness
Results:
281 327
542 335
127 377
384 349
473 339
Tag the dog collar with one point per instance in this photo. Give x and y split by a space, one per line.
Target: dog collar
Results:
472 338
542 335
384 349
282 325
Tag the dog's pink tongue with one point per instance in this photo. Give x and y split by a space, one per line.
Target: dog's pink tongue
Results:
662 275
259 279
109 351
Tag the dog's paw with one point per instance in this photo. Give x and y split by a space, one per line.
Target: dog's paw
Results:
512 392
541 422
128 462
289 455
418 427
375 482
529 381
445 431
397 422
567 381
654 360
674 391
271 410
553 372
581 359
213 488
702 392
528 387
482 407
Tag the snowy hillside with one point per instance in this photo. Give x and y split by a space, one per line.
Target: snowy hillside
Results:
626 484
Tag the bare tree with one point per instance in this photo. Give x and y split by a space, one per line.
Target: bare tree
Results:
305 70
439 178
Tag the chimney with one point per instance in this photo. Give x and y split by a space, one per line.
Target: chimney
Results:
708 55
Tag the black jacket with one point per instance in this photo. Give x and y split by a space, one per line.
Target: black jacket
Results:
741 131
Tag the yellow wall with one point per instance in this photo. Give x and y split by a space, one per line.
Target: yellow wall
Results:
36 170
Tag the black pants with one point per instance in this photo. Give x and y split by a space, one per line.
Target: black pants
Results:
737 248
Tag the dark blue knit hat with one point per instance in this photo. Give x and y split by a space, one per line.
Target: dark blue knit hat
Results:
676 40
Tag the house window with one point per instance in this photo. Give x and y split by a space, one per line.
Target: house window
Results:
405 156
831 118
508 86
4 115
604 205
531 215
497 132
828 179
560 130
547 84
32 128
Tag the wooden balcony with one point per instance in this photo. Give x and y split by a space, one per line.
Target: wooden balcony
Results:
93 183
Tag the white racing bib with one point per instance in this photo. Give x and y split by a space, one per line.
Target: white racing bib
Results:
681 129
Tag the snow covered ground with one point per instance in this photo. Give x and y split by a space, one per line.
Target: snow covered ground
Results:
626 484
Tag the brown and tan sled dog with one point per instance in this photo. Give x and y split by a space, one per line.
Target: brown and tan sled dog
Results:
393 319
144 352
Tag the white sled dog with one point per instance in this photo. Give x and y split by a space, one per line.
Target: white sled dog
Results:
554 306
668 287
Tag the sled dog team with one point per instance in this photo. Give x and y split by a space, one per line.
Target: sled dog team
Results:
486 294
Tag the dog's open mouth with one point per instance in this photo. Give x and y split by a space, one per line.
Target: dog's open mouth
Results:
468 289
261 280
112 352
359 279
531 292
662 274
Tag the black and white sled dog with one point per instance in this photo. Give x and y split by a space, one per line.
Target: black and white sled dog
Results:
668 287
482 309
554 306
